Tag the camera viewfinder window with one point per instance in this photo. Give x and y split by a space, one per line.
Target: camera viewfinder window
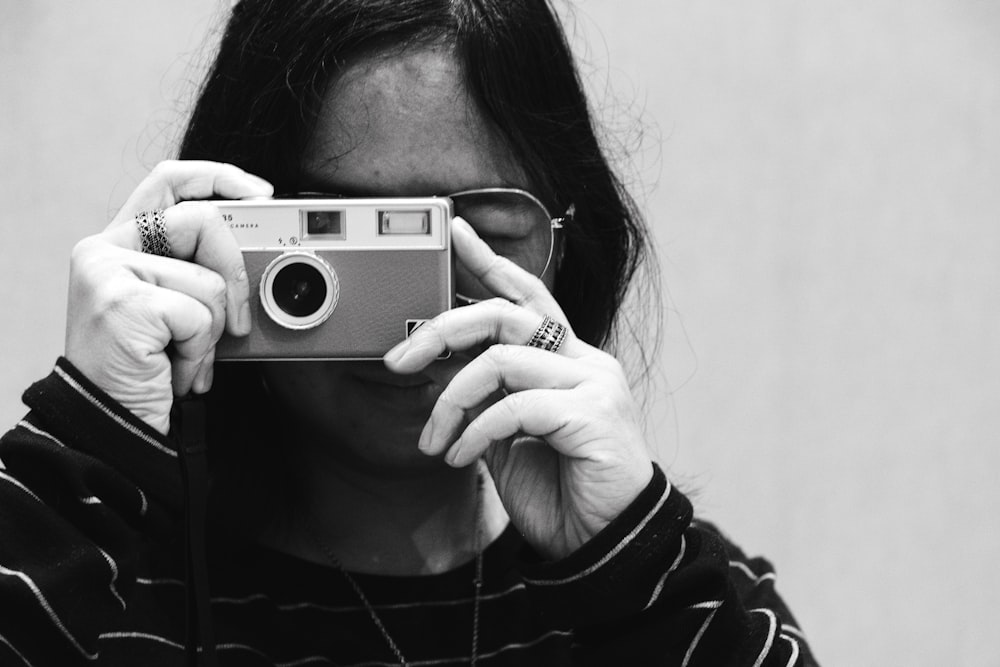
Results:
324 224
404 222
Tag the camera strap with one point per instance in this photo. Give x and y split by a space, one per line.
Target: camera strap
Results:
188 431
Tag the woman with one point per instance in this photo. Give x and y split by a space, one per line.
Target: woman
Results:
497 507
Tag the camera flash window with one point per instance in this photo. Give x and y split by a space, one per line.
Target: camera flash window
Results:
403 222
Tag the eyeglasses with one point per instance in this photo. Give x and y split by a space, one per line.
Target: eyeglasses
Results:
515 224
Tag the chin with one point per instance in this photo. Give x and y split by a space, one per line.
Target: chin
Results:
378 453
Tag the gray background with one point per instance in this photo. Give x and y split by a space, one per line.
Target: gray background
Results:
824 183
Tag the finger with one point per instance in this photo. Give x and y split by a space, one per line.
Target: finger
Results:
493 321
198 282
188 325
536 412
206 373
196 232
173 181
511 368
501 276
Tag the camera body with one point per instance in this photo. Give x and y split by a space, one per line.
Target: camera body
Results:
339 278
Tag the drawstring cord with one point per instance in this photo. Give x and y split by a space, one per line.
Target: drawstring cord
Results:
187 429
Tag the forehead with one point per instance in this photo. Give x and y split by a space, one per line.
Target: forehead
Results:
405 124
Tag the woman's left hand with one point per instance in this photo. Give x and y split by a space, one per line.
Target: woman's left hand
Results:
564 442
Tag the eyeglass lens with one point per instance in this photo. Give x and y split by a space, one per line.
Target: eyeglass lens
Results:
513 224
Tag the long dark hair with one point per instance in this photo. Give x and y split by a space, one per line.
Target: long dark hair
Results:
261 98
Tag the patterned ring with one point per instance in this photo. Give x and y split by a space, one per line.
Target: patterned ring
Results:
153 233
549 335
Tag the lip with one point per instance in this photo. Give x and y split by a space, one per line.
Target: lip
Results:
399 391
388 378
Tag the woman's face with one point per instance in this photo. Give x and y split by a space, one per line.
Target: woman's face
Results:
399 124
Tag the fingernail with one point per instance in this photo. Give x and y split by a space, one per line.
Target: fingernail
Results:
451 458
200 384
208 377
426 437
244 318
261 183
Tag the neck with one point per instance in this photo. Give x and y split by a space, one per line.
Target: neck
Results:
424 522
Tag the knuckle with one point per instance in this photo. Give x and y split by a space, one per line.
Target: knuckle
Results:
514 405
604 362
494 359
605 402
83 252
497 302
535 285
116 310
125 296
608 400
478 430
433 327
205 320
239 272
216 286
532 294
90 264
203 211
111 302
493 265
504 309
447 401
230 170
164 168
507 306
501 355
213 286
200 327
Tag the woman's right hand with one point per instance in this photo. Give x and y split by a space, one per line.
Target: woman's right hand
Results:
142 327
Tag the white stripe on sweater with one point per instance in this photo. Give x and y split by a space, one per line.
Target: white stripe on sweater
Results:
219 647
91 500
19 485
143 503
134 430
48 610
743 567
114 576
795 649
300 606
140 635
714 606
611 554
3 640
37 431
773 626
663 580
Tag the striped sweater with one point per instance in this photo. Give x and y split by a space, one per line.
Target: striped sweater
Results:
91 573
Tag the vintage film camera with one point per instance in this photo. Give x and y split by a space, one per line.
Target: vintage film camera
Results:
339 278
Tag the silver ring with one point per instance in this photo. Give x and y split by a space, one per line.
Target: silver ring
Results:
549 335
153 233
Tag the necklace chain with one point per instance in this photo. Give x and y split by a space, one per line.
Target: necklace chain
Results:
477 581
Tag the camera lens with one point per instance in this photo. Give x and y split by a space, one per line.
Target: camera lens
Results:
299 290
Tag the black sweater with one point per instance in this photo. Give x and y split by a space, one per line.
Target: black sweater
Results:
91 574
